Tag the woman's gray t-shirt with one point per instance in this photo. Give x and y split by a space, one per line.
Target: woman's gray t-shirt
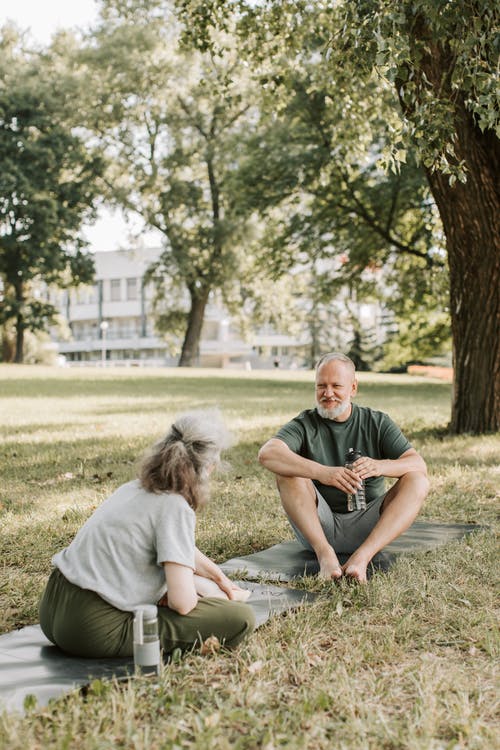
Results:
119 551
326 441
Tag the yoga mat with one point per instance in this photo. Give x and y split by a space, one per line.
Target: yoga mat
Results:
31 665
288 560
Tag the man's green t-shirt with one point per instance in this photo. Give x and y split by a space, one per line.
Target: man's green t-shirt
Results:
371 432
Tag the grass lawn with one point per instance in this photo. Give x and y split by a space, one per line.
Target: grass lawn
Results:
407 661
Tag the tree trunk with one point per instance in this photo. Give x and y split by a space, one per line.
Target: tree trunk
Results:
19 355
8 345
191 344
470 214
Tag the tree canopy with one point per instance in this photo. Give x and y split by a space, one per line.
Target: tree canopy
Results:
47 189
440 60
171 130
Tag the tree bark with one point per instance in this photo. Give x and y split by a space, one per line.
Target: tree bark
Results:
191 344
471 220
19 355
470 213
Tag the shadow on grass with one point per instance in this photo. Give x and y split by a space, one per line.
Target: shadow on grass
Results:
158 386
34 427
152 386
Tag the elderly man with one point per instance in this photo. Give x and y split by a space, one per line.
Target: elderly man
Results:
308 456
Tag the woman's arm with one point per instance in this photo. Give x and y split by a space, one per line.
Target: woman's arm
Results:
206 568
181 591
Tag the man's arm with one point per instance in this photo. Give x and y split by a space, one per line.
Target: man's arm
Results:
276 456
409 461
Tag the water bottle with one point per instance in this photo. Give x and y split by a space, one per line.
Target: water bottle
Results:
146 640
356 501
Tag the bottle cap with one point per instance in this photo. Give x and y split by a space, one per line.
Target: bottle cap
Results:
352 455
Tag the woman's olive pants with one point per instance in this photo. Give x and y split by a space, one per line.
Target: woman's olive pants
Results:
82 624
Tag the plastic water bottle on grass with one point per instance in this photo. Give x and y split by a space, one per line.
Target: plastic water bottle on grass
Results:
146 640
357 500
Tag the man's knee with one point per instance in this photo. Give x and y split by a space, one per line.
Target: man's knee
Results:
413 486
291 488
420 484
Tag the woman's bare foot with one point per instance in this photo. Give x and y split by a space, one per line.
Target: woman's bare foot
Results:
239 595
207 587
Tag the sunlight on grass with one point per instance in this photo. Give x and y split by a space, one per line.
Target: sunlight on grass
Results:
405 662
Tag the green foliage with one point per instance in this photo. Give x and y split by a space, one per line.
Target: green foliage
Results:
419 338
47 189
463 37
420 328
313 171
413 81
171 128
364 350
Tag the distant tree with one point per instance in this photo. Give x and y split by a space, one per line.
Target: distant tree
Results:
170 123
47 189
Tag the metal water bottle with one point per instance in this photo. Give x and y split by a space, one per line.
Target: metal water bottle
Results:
146 640
356 501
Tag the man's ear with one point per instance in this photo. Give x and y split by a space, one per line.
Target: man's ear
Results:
354 388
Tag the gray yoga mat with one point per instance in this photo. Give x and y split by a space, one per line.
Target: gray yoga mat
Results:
288 560
32 666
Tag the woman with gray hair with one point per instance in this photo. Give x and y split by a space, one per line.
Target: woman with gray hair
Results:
139 548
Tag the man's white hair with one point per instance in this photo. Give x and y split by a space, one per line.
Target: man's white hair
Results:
331 356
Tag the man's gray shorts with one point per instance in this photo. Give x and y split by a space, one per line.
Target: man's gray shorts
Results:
344 531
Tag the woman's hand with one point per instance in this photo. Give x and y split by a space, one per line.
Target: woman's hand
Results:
231 589
238 594
206 568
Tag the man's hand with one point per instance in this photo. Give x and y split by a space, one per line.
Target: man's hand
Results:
367 467
338 476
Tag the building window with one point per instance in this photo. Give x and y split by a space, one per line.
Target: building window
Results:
92 294
131 289
115 290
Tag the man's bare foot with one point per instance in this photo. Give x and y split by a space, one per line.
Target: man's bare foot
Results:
329 567
356 570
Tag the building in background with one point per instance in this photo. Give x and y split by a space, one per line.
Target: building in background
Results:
112 322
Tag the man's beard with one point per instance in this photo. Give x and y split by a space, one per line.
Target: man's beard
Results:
335 411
